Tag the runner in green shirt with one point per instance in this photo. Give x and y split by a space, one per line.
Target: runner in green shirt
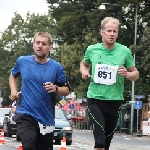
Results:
109 63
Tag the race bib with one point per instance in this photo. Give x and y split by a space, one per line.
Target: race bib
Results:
105 74
45 128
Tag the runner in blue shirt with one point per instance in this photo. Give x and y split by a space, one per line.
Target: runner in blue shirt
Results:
42 78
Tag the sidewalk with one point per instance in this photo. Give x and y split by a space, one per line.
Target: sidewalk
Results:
147 138
119 146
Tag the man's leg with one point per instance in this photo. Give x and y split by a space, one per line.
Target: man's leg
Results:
111 118
49 140
31 138
27 131
98 123
29 144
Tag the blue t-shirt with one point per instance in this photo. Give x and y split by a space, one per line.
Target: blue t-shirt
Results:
35 100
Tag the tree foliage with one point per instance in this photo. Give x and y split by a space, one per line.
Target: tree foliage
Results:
77 23
79 19
143 61
17 40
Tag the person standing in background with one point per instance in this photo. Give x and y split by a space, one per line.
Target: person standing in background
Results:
127 119
14 104
13 107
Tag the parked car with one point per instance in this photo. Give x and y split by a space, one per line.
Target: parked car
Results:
3 113
63 127
9 125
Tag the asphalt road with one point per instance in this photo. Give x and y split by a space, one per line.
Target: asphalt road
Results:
84 141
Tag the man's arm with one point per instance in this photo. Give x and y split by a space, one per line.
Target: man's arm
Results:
60 90
63 91
84 69
132 74
84 66
13 87
12 83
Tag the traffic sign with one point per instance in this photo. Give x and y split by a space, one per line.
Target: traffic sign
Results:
139 96
63 97
62 102
71 106
138 105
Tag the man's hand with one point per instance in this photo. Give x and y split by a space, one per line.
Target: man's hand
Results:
123 71
15 95
85 75
50 87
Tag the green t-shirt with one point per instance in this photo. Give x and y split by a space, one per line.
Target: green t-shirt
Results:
119 56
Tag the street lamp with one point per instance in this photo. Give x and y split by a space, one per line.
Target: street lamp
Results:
102 7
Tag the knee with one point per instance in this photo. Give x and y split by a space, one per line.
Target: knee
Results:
99 140
107 146
29 144
99 144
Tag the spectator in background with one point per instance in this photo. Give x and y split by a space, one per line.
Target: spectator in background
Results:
14 104
69 116
59 105
13 107
127 119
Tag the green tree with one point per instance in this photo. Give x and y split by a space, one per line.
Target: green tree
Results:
17 40
75 16
71 56
142 52
78 19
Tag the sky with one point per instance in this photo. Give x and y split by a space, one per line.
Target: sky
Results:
22 7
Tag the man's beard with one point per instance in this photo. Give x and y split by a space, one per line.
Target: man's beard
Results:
41 56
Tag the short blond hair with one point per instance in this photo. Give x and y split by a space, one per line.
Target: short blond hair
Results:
107 19
43 34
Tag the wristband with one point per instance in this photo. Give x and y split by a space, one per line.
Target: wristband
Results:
56 88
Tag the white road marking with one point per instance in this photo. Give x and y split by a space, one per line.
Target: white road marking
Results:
127 138
13 142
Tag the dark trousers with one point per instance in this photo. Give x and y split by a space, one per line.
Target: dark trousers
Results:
103 116
127 123
31 138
